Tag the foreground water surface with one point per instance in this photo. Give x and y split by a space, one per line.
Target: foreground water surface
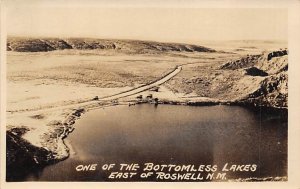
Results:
173 135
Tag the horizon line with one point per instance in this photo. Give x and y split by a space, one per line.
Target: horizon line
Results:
137 39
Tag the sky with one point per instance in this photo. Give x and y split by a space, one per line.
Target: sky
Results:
165 23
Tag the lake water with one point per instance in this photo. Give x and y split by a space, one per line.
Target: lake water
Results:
174 135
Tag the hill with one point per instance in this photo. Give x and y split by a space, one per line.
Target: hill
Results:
256 80
134 46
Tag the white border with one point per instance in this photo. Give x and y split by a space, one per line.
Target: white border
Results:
294 96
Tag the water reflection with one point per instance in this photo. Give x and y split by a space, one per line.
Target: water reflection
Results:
169 134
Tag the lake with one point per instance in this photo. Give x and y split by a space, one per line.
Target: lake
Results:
174 135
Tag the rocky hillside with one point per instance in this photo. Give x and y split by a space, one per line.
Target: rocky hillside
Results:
255 80
134 46
272 67
23 156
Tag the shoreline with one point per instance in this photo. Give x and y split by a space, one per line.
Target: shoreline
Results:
40 157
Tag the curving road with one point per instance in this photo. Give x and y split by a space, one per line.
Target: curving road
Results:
145 87
112 97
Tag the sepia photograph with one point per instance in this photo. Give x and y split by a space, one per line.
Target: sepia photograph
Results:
99 93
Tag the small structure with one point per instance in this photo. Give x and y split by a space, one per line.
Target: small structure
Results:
131 104
149 96
96 98
115 102
139 97
154 89
155 101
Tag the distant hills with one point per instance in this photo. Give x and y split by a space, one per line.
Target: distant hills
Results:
134 46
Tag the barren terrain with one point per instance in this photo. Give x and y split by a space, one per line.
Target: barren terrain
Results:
51 82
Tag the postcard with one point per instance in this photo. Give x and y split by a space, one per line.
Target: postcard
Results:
132 93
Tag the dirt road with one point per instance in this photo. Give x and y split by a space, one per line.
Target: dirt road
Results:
145 87
108 98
